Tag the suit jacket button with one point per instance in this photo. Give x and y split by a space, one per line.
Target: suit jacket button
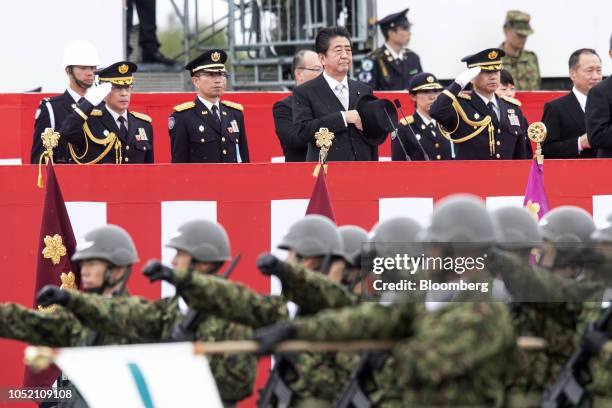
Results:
127 147
127 159
438 157
224 151
497 155
144 148
498 130
437 145
498 142
223 139
202 140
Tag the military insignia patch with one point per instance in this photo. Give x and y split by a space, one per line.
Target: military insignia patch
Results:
514 119
142 135
123 68
171 122
430 79
215 56
476 115
492 55
201 128
367 65
365 76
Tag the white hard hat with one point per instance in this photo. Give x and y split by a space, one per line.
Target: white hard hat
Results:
81 53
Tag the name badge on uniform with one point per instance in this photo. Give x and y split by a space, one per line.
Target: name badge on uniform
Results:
514 120
142 135
233 127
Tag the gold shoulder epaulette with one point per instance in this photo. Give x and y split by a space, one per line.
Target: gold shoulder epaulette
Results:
407 120
184 106
465 96
96 112
142 116
512 100
233 105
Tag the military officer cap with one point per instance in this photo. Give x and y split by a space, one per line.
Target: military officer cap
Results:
395 20
378 115
519 22
488 60
120 73
209 61
424 81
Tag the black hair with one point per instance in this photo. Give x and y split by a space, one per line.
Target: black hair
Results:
575 57
505 77
325 35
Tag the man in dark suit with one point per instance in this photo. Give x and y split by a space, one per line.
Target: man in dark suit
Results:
391 66
109 132
599 116
80 61
419 137
564 117
482 125
208 130
306 66
329 101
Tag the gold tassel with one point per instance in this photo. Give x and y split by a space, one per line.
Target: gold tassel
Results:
39 182
317 169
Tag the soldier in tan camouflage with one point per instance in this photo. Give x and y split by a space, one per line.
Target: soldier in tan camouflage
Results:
521 63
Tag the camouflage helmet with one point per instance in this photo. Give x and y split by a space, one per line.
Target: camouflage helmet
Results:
353 238
205 241
567 226
519 22
518 227
110 243
461 218
604 234
313 235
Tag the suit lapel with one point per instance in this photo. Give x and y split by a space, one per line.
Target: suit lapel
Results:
354 93
225 119
479 105
68 102
503 112
326 94
132 128
574 110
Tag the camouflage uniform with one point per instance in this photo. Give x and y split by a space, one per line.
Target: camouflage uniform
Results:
320 375
525 68
437 362
143 321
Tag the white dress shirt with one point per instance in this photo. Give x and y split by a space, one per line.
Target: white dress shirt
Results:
486 102
394 54
116 116
582 99
209 104
74 95
333 85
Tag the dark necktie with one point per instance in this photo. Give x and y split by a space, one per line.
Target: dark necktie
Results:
216 117
123 132
493 113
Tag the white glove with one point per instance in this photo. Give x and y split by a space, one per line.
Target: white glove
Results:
96 94
466 76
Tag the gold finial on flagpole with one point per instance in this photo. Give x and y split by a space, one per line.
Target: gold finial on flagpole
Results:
324 139
537 132
50 140
38 358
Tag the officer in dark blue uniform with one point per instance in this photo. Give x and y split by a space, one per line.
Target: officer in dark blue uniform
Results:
108 132
482 125
208 130
391 66
419 137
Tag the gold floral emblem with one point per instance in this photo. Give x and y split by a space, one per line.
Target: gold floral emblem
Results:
54 248
534 209
430 79
215 56
123 68
492 55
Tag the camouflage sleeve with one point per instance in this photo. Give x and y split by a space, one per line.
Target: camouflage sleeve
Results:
230 300
456 341
130 317
313 291
533 284
54 329
364 321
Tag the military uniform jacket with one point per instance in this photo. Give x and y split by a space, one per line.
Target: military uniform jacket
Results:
94 136
412 128
599 118
293 148
525 70
384 73
316 106
195 138
466 120
61 105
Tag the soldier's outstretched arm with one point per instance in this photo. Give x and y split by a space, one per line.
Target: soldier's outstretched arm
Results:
455 341
53 329
311 291
362 322
72 127
131 317
229 300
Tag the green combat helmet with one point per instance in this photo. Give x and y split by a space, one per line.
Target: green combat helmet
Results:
205 241
518 228
109 243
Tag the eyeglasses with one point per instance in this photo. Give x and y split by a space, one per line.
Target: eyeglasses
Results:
121 87
214 74
315 69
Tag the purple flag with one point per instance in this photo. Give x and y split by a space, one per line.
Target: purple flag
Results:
320 203
536 200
